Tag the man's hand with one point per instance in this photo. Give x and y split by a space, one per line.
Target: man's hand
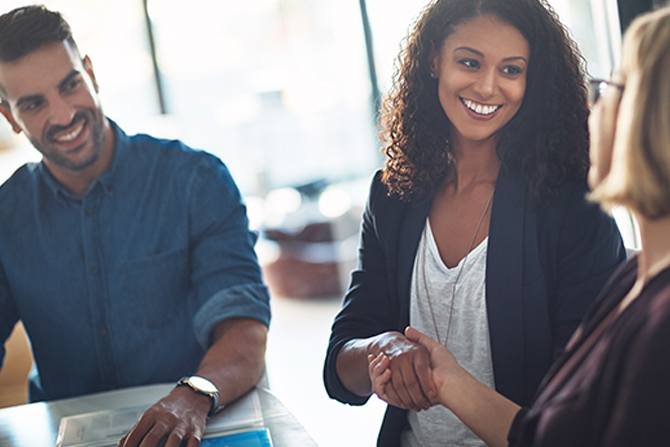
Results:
234 364
178 418
411 384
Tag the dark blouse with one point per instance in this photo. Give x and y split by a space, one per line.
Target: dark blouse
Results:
615 392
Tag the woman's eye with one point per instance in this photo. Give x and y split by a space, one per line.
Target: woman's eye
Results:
512 70
470 63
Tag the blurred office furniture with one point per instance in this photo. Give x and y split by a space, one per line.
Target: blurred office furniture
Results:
313 229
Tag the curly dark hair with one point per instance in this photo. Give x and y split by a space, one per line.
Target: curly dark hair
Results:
546 141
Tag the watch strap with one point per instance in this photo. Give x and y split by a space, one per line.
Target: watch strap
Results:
213 394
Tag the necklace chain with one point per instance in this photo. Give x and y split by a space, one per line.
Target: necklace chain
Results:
458 276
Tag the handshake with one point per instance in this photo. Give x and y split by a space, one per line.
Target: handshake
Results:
413 371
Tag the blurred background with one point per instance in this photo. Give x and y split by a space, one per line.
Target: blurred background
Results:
285 92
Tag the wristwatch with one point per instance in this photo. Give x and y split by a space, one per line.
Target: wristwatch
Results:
202 386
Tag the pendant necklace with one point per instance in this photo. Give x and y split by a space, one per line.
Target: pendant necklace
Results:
458 276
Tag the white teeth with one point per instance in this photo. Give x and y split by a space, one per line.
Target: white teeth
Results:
479 108
72 135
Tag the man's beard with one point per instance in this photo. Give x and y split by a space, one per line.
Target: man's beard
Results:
92 118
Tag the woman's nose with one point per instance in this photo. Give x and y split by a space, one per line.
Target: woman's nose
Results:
486 84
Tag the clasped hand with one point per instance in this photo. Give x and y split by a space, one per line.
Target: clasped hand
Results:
400 374
177 419
410 369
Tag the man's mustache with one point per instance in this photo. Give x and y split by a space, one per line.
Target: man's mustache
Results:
79 116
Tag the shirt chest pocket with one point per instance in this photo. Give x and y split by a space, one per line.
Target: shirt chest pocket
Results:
156 288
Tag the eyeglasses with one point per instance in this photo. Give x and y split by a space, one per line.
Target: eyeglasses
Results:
597 88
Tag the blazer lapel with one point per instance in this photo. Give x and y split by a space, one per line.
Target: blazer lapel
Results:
411 227
504 276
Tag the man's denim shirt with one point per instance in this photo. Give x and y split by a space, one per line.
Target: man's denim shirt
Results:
121 287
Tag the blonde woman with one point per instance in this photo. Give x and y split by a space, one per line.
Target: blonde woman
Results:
610 387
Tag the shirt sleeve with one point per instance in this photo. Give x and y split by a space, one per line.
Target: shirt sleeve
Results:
590 249
226 277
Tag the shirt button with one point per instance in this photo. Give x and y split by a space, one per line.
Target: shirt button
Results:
103 332
95 270
89 211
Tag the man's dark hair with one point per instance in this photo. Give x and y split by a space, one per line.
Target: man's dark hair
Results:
27 28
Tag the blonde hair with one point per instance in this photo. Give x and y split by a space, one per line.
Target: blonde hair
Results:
639 178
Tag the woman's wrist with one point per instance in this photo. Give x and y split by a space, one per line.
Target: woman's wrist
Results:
455 386
488 414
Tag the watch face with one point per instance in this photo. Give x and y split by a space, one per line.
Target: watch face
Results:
202 384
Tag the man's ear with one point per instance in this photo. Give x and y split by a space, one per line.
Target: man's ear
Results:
88 66
7 113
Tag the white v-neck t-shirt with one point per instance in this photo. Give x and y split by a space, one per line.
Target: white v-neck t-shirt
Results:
468 337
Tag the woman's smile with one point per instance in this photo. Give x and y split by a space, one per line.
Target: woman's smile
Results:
483 110
481 74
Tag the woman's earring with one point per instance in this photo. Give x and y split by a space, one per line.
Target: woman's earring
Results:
432 75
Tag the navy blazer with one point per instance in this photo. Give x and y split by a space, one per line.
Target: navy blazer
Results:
545 266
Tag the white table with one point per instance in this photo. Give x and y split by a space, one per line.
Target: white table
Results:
36 425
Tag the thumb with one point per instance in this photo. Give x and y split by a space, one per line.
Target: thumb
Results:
421 338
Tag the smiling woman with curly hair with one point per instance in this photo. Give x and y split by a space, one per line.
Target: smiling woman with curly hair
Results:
546 141
610 387
477 231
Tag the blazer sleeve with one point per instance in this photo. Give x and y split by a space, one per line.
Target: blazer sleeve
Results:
589 250
368 308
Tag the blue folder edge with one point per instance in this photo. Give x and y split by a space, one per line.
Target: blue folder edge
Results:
253 438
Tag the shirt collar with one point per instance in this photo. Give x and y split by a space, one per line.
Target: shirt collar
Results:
106 180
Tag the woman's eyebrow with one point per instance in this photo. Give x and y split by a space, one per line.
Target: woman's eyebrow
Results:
480 54
515 58
471 50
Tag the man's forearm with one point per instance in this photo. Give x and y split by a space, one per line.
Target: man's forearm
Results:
235 362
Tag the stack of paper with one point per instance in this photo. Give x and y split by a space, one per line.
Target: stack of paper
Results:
105 428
